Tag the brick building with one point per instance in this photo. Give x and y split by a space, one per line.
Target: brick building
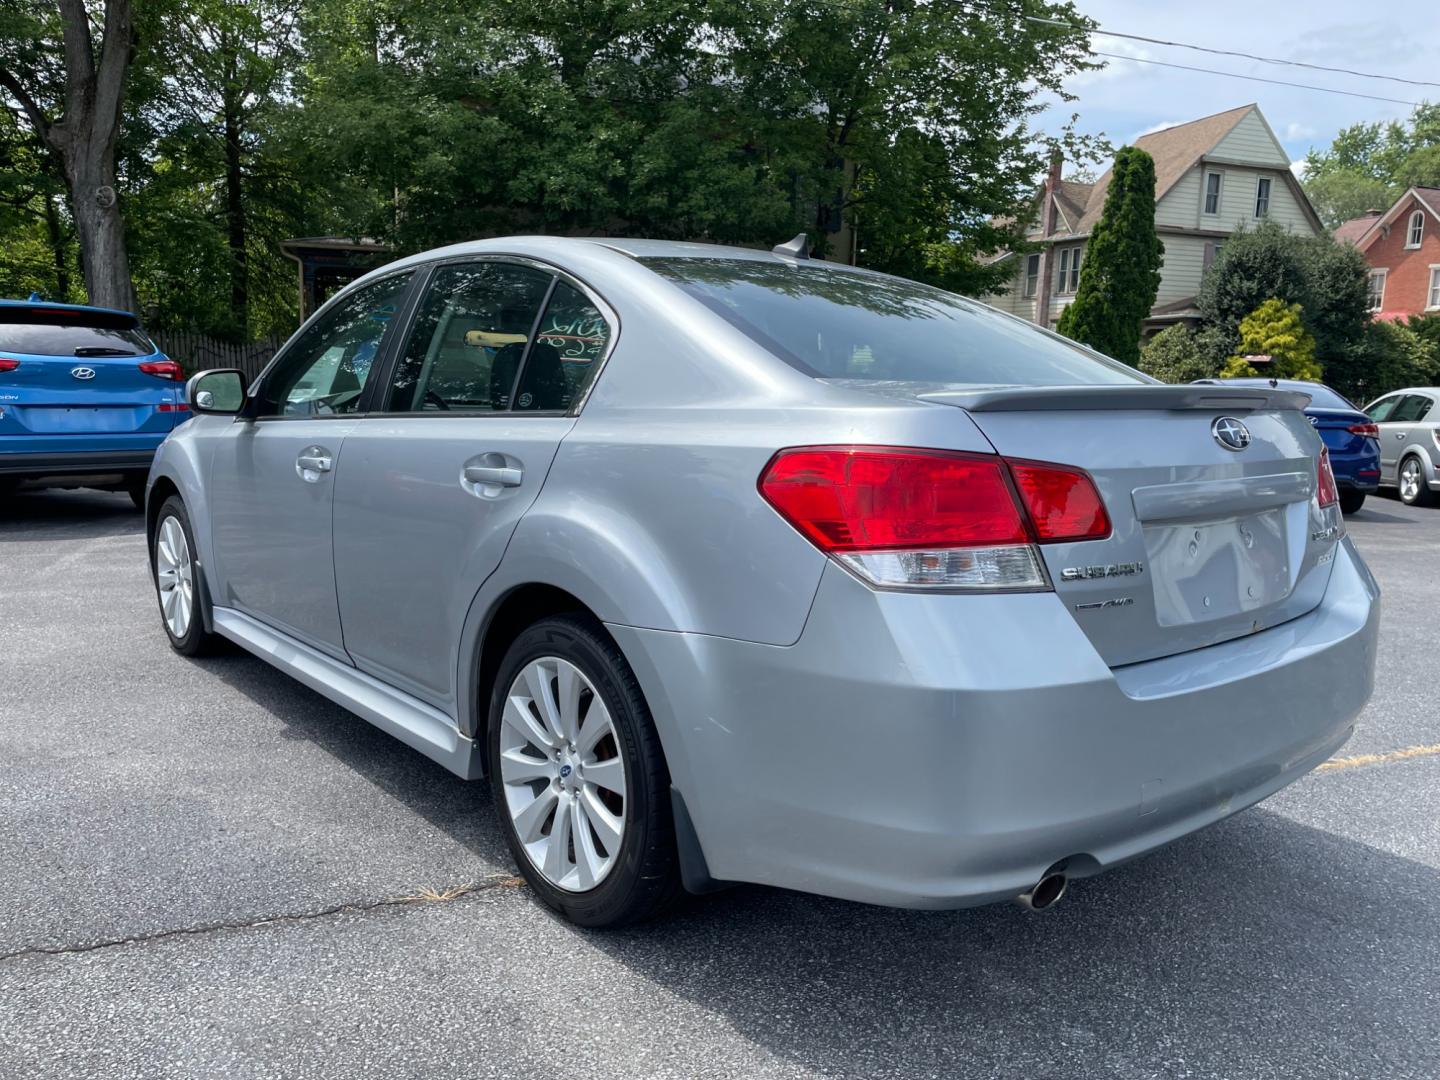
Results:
1402 246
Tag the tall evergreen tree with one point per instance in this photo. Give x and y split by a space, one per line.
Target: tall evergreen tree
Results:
1121 273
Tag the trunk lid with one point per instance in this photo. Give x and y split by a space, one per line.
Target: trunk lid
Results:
1334 428
1208 543
44 395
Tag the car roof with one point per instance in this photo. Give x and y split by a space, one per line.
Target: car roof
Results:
48 305
1262 381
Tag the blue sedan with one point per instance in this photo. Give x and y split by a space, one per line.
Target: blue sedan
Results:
1352 437
85 397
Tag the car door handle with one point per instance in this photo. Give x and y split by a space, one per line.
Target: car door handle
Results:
503 475
313 461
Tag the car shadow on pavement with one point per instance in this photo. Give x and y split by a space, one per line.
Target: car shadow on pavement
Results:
67 515
459 808
1254 949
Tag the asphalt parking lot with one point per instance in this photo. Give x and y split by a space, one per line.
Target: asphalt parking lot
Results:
210 871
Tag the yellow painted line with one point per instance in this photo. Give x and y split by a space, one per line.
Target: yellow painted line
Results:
1360 760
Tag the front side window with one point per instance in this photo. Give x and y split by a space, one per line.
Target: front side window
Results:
1380 411
1262 196
469 337
1415 231
1433 298
847 325
1212 193
1376 294
324 372
1032 275
569 346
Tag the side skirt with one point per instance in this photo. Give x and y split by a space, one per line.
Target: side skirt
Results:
413 722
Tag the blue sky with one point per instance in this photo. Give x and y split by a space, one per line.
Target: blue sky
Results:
1394 37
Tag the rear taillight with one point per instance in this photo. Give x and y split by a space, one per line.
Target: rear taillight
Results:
172 406
7 364
1326 493
908 518
163 369
1365 431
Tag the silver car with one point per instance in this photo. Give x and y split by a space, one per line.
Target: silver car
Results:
732 566
1409 442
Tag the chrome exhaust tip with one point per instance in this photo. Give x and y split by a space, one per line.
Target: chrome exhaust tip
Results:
1046 893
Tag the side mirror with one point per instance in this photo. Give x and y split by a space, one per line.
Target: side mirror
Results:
220 392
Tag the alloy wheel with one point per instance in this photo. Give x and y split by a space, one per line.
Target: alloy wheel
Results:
174 577
563 774
1410 480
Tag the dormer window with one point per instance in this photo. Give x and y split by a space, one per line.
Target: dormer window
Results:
1415 231
1212 192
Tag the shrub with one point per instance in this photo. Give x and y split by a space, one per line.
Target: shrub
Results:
1275 329
1388 356
1180 355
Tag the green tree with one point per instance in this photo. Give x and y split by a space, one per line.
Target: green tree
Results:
70 89
1368 166
1121 273
1390 355
1274 329
1327 280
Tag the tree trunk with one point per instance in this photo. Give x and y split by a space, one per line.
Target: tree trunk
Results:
91 173
57 249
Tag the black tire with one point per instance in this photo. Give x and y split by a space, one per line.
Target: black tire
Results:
1422 493
1351 501
646 877
197 641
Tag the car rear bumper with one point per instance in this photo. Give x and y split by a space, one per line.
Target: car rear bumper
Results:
46 466
942 751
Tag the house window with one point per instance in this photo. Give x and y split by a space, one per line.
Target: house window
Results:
1415 232
1212 252
1212 192
1032 274
1377 290
1262 196
1432 301
1067 279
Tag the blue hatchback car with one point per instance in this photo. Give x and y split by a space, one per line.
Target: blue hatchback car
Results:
1351 436
85 397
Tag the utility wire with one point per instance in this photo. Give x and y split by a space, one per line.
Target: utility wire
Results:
1254 78
1243 55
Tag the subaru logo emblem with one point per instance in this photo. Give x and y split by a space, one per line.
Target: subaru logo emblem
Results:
83 372
1230 433
564 770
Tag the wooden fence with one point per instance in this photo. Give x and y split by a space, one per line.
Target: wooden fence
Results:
196 352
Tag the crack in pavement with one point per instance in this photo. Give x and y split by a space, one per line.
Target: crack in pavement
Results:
424 896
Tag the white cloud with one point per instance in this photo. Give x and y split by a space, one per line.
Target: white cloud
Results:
1298 168
1295 131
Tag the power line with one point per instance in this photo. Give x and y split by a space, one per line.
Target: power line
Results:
1254 78
1230 52
1100 31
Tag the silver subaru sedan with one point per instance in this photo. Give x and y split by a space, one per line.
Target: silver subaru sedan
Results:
733 566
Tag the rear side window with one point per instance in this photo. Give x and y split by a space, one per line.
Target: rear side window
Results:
838 324
568 348
46 339
1410 410
469 338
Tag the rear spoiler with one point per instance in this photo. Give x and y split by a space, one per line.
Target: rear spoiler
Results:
99 318
1077 398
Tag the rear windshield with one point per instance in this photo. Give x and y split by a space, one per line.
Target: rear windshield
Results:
46 340
836 324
